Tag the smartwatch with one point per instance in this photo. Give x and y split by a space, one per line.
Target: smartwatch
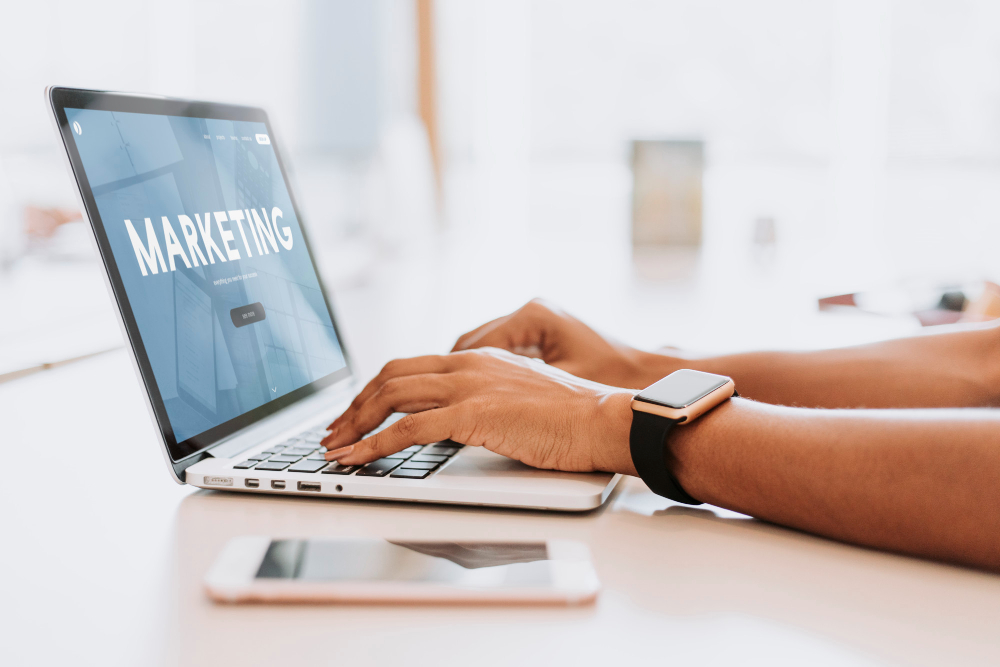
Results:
679 398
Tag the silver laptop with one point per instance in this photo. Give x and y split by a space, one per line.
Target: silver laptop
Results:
230 328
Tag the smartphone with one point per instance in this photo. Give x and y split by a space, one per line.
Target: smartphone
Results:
262 569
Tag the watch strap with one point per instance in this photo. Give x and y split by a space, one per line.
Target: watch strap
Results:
648 445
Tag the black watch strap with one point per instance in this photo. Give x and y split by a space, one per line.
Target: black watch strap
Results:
648 444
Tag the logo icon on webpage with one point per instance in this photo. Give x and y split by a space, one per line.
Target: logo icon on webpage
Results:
263 139
77 128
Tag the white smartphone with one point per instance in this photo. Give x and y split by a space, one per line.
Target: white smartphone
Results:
262 569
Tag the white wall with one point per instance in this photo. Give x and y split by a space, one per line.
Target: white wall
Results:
243 52
869 129
764 78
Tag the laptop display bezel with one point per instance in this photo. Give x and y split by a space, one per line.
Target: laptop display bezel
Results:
185 453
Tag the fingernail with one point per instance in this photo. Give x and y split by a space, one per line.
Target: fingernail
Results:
335 454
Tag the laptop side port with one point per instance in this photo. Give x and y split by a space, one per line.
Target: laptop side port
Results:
252 483
309 486
277 483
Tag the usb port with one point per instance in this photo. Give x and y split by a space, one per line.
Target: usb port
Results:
252 483
308 486
277 483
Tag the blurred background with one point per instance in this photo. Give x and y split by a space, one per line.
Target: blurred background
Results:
693 173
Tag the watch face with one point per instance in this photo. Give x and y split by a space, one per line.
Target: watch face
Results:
682 388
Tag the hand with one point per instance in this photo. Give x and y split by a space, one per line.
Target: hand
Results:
538 329
512 405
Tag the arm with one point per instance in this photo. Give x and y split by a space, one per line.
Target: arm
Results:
954 367
922 482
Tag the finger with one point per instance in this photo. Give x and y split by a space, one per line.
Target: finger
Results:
527 313
464 341
412 393
422 428
521 331
434 363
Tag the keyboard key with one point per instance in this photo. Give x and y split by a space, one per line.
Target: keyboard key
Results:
403 455
318 456
246 464
430 457
420 465
312 437
338 469
443 450
273 465
299 450
413 449
379 468
308 466
290 458
410 473
258 457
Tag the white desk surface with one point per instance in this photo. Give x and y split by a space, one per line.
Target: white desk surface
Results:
103 554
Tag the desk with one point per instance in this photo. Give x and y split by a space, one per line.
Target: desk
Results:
102 561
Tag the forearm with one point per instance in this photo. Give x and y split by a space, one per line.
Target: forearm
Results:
958 368
917 482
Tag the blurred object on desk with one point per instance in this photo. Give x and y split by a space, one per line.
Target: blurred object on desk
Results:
54 232
984 307
42 222
70 240
764 232
667 192
975 302
765 239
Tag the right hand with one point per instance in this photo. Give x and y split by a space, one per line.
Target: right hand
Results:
543 331
534 413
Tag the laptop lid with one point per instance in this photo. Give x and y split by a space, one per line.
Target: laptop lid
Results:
210 267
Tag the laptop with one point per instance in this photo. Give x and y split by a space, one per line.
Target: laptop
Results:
229 326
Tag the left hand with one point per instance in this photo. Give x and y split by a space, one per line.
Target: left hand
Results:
514 406
540 329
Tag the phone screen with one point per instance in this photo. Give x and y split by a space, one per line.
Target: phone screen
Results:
508 564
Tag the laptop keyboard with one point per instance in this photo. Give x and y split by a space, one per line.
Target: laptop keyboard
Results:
302 453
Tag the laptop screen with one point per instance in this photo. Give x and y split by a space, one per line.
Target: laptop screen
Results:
212 259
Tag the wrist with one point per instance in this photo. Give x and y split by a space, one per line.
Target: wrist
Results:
691 449
611 451
648 367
